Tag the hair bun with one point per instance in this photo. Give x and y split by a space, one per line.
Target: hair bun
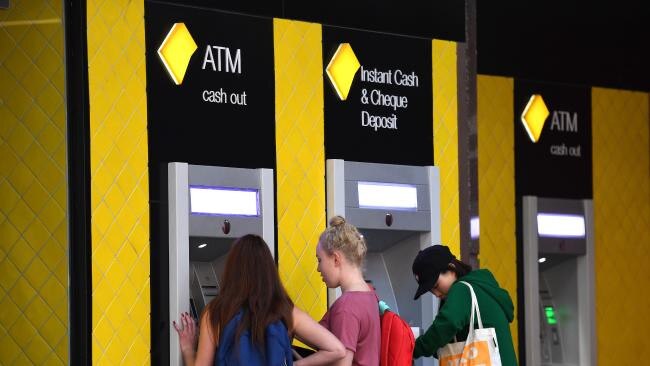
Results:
337 221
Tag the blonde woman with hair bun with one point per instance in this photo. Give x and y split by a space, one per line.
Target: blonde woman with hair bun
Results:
354 317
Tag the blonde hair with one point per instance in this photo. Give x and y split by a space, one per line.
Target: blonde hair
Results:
345 238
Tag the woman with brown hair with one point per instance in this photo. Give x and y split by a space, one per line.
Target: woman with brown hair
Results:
251 302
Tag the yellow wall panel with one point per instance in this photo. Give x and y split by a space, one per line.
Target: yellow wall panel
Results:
300 151
119 183
33 187
621 183
445 139
496 182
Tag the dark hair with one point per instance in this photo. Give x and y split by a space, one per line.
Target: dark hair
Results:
252 284
459 268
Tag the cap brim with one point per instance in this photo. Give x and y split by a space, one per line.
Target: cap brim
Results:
422 288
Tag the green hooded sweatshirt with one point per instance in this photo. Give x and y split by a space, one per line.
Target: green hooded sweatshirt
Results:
452 320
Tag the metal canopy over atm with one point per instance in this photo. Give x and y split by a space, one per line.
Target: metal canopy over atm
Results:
397 209
559 281
209 207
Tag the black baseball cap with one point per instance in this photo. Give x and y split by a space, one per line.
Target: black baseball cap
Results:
428 265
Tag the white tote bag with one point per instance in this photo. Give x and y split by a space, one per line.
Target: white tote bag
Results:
480 348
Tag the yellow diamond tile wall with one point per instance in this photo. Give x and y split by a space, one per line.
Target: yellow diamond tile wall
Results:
33 186
119 183
300 149
496 182
445 139
621 188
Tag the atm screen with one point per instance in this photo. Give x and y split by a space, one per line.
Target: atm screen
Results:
388 195
550 315
560 225
224 201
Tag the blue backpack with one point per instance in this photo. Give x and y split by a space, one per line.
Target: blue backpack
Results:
231 352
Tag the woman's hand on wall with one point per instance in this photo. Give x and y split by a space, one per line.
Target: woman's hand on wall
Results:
187 334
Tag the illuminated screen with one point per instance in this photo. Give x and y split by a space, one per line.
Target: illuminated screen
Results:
388 195
224 201
561 226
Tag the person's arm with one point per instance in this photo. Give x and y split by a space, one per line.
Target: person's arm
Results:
452 317
330 349
204 356
347 360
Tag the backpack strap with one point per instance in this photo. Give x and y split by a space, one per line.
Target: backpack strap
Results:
382 304
383 307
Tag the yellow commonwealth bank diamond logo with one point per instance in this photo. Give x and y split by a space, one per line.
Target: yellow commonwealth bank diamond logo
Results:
176 51
534 116
341 69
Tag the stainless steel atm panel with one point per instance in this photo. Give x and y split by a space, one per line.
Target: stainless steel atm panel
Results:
559 281
209 207
397 209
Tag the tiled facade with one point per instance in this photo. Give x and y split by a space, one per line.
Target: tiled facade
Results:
445 139
496 184
621 171
300 160
121 325
33 187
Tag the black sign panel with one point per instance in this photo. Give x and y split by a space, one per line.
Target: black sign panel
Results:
223 112
559 163
388 114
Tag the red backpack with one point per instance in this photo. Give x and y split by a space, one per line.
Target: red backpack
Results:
397 341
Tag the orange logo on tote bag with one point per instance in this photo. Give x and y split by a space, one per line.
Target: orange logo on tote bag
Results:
475 354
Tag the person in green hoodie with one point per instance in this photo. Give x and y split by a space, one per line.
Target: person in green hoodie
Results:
438 271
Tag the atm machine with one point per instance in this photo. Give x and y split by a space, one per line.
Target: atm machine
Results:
559 281
209 207
397 209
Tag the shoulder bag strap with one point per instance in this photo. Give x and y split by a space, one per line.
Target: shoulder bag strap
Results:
475 306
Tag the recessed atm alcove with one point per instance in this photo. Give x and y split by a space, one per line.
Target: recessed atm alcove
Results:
559 281
397 209
209 207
